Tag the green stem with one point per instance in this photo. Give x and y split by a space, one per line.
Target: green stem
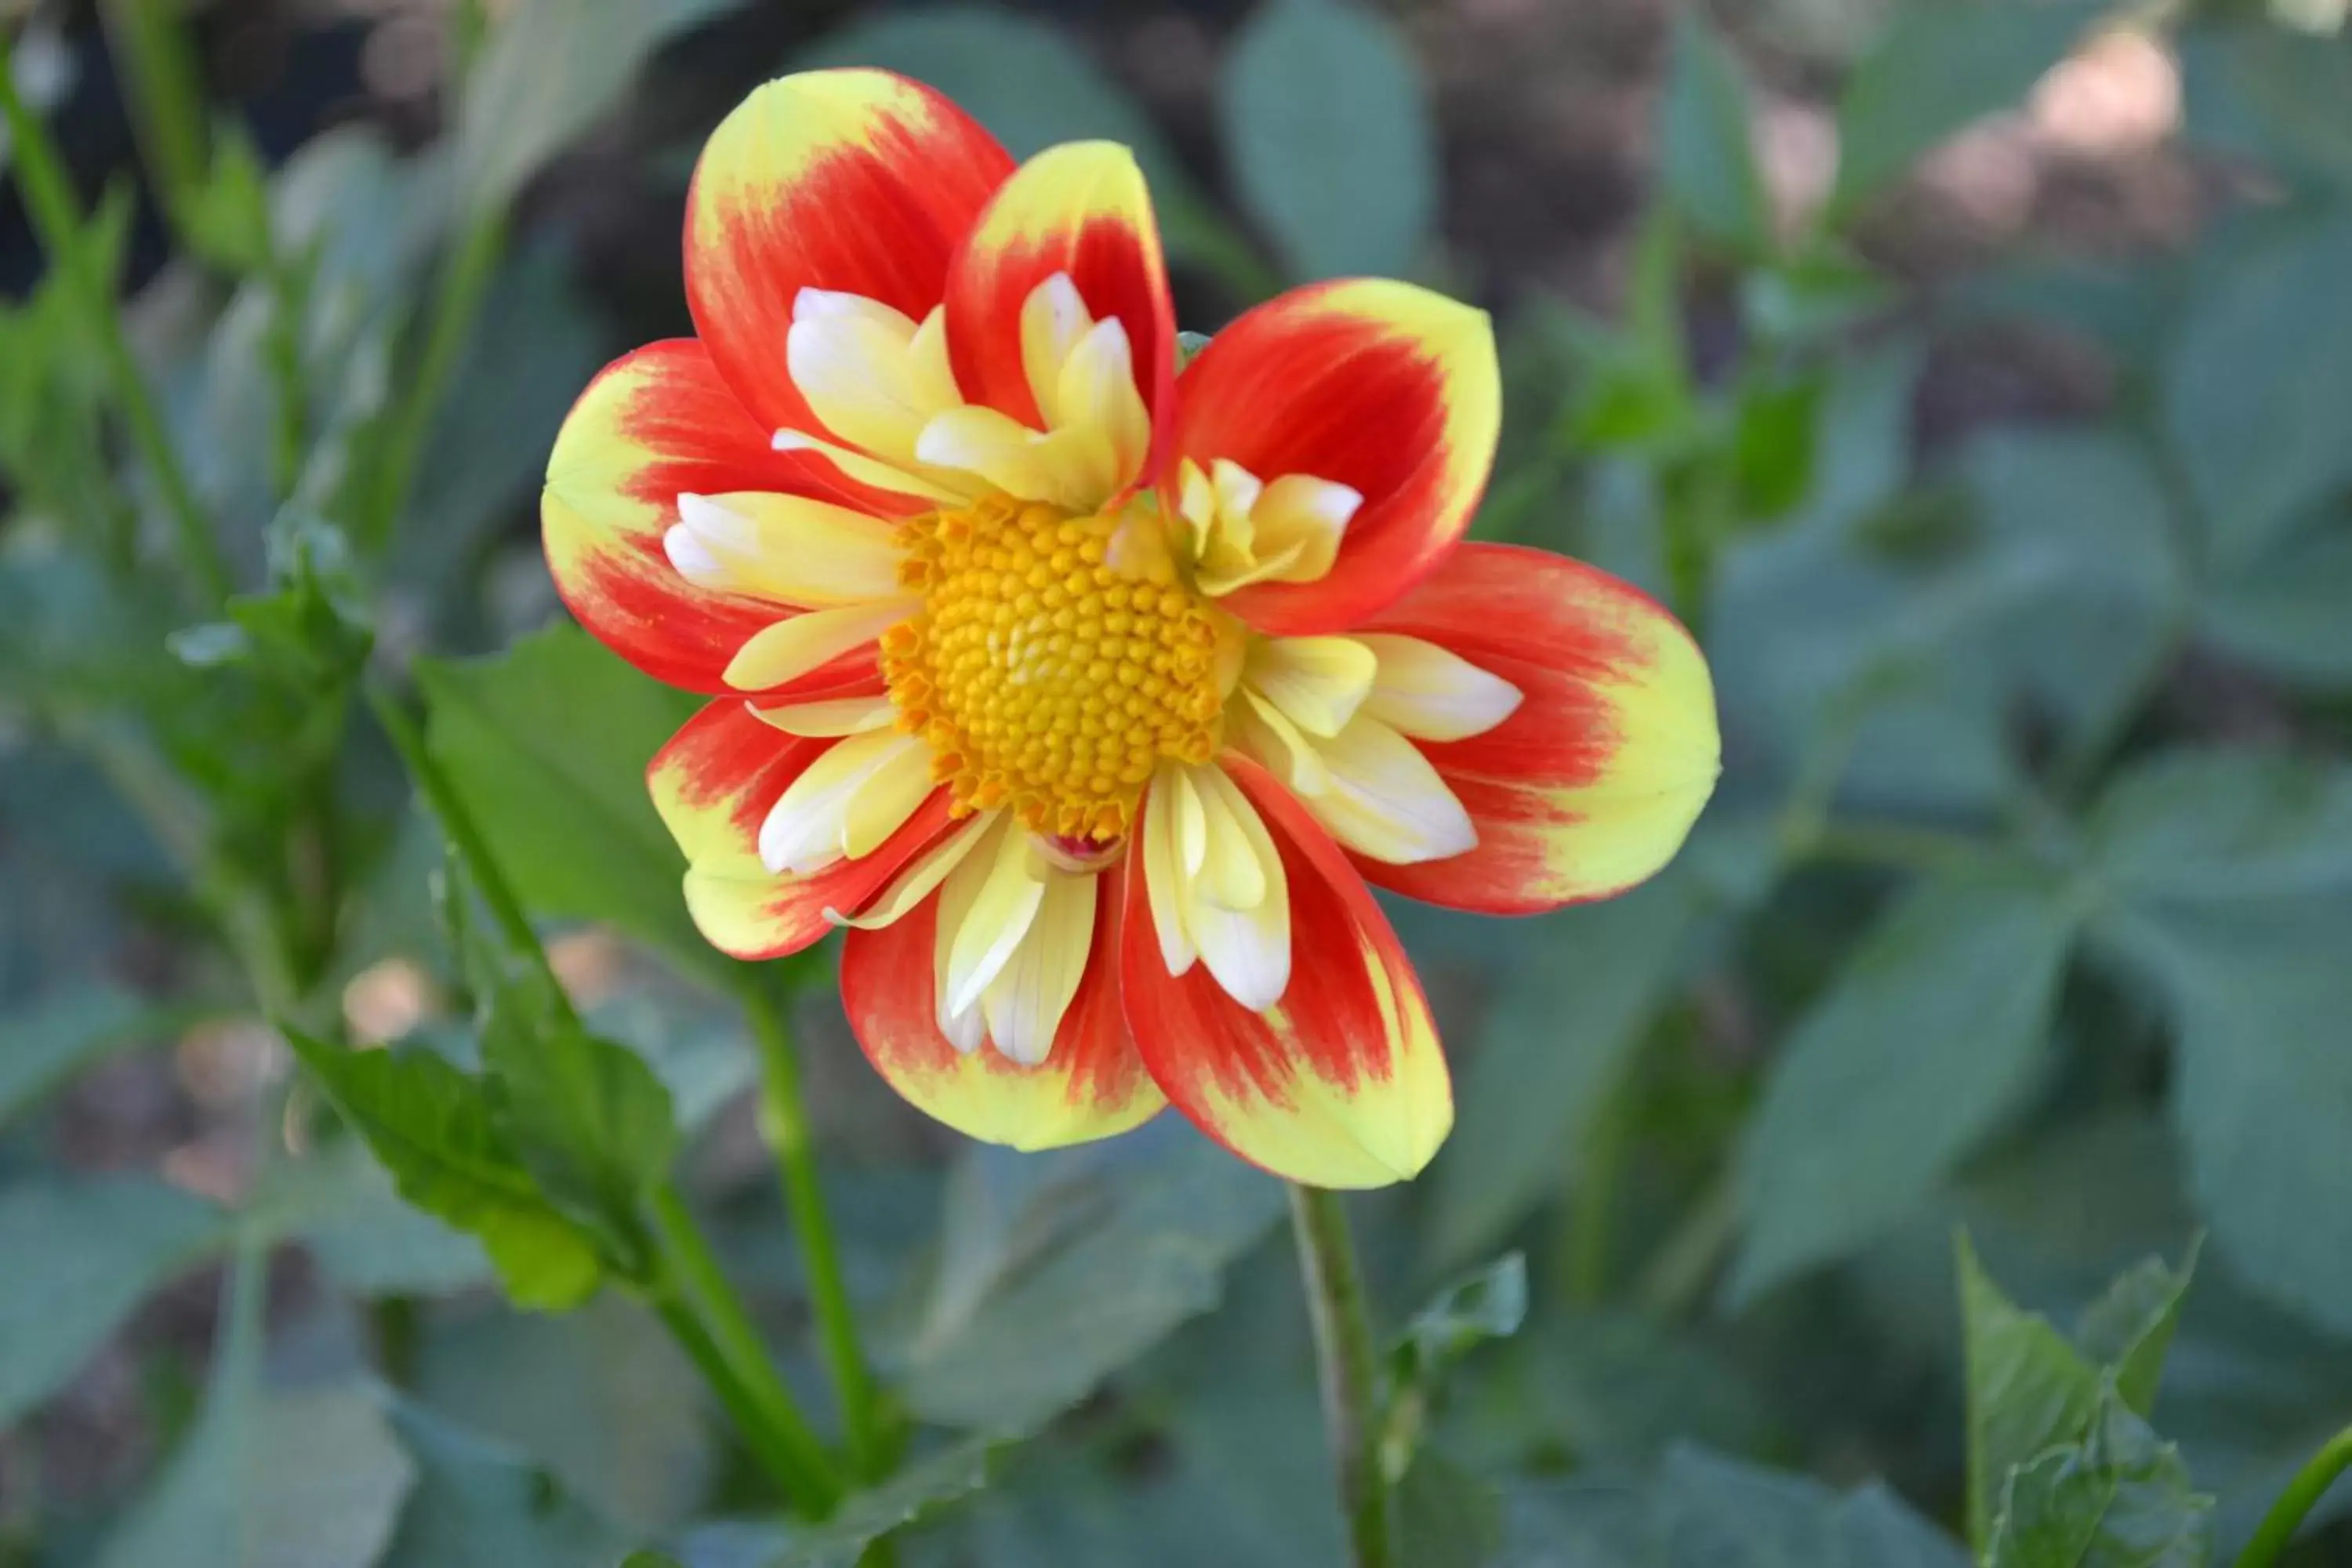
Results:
784 1122
166 96
1592 1198
776 1454
457 306
1349 1369
473 848
396 1327
281 350
57 217
1678 1273
729 1352
2301 1495
757 1397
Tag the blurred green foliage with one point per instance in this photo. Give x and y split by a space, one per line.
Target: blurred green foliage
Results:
2024 907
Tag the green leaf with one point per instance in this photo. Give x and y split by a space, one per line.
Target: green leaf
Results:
2084 523
2120 1500
600 1397
1704 1511
2129 1330
2028 1389
648 1560
698 1047
431 1127
2196 826
368 216
548 745
480 1505
587 1117
2232 892
1934 1034
63 1033
552 69
1058 1269
2259 992
2284 612
1551 1045
1489 1303
1714 1512
1582 1522
1706 151
227 216
2061 1470
1327 125
929 1483
2260 374
1776 427
1820 293
1619 1386
87 1253
1446 1517
866 1516
1936 69
2252 87
301 1478
341 1204
2251 1391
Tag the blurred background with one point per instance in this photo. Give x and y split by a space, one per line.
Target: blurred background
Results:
1975 378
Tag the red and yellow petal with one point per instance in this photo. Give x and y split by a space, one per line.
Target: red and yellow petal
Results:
1091 1085
656 424
1389 389
1341 1083
714 783
1081 209
1593 782
857 181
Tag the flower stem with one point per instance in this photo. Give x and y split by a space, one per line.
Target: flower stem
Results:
689 1280
1349 1369
726 1345
783 1119
458 827
2301 1495
57 217
166 96
1592 1195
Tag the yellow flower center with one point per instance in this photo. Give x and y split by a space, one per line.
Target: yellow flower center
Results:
1056 660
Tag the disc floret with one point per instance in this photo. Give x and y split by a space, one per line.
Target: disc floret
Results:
1053 665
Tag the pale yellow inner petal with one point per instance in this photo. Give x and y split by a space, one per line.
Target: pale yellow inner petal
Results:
1012 886
1232 906
1096 428
838 716
1025 1004
786 548
1244 531
1433 693
1384 799
871 375
1317 682
791 649
918 882
846 801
